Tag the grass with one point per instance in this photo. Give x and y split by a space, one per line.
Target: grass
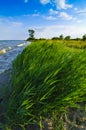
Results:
48 79
76 44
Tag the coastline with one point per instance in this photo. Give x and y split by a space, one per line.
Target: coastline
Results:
5 78
5 83
5 89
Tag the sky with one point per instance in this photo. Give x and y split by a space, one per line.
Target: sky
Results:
49 18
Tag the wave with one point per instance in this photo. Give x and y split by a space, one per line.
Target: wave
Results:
4 50
22 44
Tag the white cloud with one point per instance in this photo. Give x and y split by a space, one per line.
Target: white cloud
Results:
56 30
45 1
17 29
11 30
65 16
62 4
16 24
36 15
75 9
81 11
51 12
79 21
50 18
26 1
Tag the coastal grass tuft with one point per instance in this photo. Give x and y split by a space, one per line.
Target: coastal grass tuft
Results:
48 79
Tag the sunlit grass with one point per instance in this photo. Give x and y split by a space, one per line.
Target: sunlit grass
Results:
48 79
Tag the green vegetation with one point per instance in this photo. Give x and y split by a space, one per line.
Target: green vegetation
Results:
61 37
67 38
49 77
80 44
71 43
31 35
84 37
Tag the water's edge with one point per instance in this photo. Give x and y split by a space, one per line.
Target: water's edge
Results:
8 52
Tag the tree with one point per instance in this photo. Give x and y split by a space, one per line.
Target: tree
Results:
78 39
84 37
55 38
31 34
67 38
61 37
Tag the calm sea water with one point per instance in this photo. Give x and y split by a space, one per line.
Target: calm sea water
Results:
9 49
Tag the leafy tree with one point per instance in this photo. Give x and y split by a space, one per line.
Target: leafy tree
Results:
55 38
61 37
67 38
31 34
78 39
84 37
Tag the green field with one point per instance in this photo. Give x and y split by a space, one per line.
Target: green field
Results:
49 78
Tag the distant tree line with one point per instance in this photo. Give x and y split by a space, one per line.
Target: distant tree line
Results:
61 37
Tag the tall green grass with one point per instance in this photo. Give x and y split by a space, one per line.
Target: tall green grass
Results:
78 44
48 79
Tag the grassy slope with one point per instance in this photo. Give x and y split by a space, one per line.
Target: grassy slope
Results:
48 78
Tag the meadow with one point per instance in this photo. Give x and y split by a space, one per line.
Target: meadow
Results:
48 79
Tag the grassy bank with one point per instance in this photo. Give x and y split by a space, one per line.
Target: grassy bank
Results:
48 78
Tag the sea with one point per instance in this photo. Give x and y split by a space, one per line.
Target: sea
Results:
9 49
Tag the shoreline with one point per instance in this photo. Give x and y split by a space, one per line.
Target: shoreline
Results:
5 79
5 89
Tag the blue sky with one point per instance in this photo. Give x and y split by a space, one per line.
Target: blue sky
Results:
48 18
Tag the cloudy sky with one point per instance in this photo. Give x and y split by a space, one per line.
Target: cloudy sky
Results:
48 18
